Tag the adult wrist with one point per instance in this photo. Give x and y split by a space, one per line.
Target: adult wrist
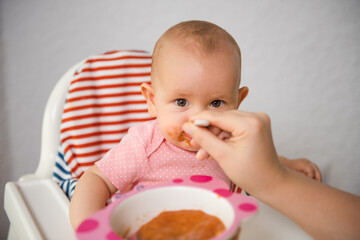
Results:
271 182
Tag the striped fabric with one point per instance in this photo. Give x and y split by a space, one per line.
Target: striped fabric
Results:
234 188
103 101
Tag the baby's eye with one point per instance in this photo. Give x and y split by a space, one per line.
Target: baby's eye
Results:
181 102
217 103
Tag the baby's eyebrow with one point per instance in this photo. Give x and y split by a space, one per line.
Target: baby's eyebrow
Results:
221 97
180 92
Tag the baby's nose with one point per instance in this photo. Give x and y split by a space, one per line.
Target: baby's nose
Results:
197 109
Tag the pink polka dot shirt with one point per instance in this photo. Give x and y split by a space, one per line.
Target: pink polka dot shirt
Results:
144 157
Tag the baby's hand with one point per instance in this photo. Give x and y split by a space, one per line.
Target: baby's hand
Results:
303 166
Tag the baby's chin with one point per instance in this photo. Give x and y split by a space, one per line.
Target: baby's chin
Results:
185 144
189 148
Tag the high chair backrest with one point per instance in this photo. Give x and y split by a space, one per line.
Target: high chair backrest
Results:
50 133
103 101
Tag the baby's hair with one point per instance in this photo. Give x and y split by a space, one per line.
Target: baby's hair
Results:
209 36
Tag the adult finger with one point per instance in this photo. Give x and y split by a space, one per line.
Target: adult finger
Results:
202 154
235 121
207 140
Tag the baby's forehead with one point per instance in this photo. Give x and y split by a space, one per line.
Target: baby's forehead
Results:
191 49
204 44
195 39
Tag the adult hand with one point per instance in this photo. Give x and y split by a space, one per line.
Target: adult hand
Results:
301 165
248 156
245 148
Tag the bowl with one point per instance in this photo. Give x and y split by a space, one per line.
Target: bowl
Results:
122 218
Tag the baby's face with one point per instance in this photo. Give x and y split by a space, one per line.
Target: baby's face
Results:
187 83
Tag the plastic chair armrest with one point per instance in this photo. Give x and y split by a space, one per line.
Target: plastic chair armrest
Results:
38 209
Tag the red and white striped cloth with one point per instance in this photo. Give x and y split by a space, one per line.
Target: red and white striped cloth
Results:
103 101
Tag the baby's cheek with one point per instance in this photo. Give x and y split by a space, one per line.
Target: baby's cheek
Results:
170 131
173 132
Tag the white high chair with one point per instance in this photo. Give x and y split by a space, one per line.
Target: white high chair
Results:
35 205
39 209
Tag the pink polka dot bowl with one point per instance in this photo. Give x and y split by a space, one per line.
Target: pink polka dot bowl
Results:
122 218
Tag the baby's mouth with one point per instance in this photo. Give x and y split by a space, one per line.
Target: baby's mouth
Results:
180 136
184 137
189 137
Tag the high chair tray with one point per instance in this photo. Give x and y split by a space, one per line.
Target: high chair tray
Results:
37 209
271 225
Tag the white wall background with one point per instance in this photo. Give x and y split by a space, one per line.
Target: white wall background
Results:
301 61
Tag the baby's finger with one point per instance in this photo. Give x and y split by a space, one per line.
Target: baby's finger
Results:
318 176
310 173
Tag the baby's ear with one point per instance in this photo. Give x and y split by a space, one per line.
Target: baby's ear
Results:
243 92
148 93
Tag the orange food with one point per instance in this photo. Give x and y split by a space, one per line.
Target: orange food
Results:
184 224
182 137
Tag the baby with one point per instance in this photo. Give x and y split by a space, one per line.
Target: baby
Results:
196 66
